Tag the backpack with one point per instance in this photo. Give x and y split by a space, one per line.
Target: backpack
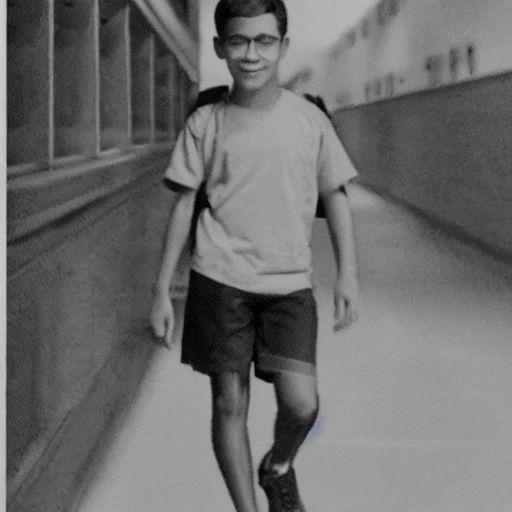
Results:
214 95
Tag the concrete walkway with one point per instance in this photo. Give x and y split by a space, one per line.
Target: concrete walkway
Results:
416 398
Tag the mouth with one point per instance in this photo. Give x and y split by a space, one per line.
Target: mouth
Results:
251 72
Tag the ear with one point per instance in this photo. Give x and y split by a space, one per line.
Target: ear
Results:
285 43
219 48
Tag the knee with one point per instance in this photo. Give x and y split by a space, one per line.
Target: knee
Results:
230 398
230 405
303 410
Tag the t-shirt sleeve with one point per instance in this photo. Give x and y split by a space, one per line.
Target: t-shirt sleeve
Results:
335 168
186 166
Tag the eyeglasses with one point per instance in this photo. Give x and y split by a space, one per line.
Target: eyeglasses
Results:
264 44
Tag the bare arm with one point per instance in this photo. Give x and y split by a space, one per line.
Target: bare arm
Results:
339 222
176 236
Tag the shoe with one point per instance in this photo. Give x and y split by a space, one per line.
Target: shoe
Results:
281 490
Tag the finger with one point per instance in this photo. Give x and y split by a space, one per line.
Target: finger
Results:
158 329
339 303
340 321
339 307
152 327
158 332
168 334
349 316
346 314
354 311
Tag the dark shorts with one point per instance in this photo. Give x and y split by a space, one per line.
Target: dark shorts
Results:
226 329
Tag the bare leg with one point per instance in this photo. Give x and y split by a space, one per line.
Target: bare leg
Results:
230 437
297 401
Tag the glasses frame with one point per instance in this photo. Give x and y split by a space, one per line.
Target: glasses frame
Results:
261 48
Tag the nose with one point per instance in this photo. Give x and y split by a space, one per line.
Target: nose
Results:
251 52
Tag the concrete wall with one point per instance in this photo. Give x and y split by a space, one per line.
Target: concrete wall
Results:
422 94
444 151
78 303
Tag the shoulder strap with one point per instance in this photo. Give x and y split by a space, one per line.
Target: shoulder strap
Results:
211 95
206 97
319 102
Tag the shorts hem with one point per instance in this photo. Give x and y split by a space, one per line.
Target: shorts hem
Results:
276 364
213 369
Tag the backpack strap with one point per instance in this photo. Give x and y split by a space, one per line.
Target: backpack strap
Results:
206 97
211 95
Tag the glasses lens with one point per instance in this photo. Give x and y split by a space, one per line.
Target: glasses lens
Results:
264 44
237 44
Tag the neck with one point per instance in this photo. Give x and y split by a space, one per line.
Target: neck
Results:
260 99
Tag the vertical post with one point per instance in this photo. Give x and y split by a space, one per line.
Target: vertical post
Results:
114 85
97 77
151 77
28 84
129 73
76 79
51 82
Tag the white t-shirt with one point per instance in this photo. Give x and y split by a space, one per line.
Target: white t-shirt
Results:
264 170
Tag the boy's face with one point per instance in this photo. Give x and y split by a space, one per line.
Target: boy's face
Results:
252 48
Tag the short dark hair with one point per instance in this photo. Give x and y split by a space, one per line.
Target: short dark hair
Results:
227 9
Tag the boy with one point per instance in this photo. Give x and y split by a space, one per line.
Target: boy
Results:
265 154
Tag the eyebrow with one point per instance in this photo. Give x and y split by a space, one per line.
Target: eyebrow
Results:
261 34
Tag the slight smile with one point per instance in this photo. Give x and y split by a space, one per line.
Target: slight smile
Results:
251 71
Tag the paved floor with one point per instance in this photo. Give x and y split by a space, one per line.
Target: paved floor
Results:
416 407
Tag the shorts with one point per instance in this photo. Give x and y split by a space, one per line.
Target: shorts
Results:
226 329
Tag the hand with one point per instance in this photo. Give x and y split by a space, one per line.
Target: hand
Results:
162 318
346 303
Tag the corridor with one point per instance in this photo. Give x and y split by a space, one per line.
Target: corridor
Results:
416 414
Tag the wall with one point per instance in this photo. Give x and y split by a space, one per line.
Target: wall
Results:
77 344
421 93
445 152
97 93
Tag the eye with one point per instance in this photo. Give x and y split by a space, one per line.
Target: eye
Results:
236 41
266 40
